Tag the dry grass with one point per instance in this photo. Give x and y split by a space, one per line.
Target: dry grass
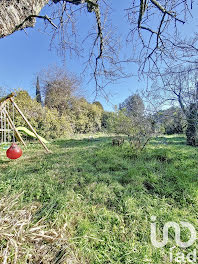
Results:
24 241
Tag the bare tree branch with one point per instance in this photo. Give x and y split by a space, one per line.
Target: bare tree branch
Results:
164 11
35 16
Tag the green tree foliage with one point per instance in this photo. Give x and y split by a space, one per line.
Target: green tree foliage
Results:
134 105
81 117
30 107
47 122
38 91
131 120
191 131
180 87
120 123
170 121
99 105
59 88
58 94
86 117
139 130
55 125
106 116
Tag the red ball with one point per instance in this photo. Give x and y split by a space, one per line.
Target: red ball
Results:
14 152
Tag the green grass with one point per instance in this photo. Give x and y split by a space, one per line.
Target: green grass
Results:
106 194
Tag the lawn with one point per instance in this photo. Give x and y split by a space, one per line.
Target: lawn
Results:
104 196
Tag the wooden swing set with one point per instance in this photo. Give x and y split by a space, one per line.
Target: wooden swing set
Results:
7 123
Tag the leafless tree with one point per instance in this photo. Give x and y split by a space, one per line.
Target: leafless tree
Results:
153 28
178 86
59 88
100 43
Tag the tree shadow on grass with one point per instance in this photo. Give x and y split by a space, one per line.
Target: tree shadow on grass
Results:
165 140
87 142
101 180
63 143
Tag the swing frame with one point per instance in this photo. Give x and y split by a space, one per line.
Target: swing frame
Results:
3 103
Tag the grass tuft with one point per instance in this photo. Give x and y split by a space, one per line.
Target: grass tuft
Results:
91 202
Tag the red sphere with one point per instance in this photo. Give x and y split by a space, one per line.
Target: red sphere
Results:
14 152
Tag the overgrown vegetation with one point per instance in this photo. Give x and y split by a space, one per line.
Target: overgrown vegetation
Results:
80 117
131 120
91 200
102 197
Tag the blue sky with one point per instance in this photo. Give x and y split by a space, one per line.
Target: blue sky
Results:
24 55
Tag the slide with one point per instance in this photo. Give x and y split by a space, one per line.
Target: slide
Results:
30 133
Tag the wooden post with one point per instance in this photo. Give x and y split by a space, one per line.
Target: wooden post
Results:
6 97
30 126
2 105
14 128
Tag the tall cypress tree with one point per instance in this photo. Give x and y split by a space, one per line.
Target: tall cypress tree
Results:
38 91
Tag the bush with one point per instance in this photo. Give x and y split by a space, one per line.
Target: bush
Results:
85 117
138 128
82 117
47 122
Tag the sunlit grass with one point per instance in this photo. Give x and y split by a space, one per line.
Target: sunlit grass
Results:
105 195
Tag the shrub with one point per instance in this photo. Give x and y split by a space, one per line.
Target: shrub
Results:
47 122
81 117
137 128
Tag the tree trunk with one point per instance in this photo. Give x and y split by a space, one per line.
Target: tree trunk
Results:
16 14
19 14
191 131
